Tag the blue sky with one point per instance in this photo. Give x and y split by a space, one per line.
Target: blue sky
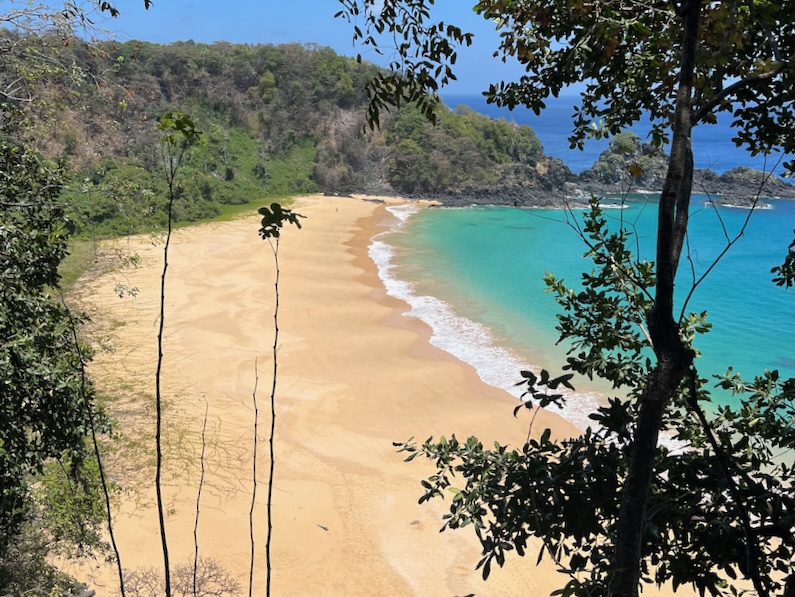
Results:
305 21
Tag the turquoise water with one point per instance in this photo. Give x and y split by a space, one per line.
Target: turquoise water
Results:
475 275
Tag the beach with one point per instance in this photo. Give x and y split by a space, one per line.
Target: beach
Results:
354 376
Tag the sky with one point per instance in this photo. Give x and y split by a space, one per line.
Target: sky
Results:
303 21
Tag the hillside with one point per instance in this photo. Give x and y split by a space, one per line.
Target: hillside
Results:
276 120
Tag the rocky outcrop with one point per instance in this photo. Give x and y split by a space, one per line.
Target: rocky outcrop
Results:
627 165
741 186
543 184
630 165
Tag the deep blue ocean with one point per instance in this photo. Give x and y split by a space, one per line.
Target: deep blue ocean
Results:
475 276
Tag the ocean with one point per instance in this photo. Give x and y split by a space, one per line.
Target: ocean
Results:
475 276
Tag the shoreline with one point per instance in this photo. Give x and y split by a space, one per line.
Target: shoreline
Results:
578 199
517 324
354 376
495 361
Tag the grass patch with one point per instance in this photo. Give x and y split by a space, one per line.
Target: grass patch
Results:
80 259
82 255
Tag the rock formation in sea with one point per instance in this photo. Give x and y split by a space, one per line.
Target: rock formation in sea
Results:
628 165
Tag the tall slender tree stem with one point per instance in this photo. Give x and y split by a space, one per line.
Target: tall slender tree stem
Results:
254 481
159 412
171 171
275 248
95 443
198 503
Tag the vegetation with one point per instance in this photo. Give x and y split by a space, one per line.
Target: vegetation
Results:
630 161
463 148
271 227
203 577
49 488
277 120
614 508
263 111
177 132
51 481
289 119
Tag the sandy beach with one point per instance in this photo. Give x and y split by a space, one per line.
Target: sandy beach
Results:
354 375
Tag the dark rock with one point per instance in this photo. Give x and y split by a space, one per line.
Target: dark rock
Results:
543 184
740 186
628 165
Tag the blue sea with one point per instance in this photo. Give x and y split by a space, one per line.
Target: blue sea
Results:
475 276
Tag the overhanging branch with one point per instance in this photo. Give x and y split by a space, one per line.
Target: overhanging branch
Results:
752 81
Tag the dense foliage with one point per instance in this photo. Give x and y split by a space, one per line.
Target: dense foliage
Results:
276 120
48 488
463 147
263 111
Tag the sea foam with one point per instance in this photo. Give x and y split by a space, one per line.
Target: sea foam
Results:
465 339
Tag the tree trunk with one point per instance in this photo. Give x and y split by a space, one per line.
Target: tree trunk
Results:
673 357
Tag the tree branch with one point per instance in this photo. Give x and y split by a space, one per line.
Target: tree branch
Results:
95 443
198 502
254 482
751 81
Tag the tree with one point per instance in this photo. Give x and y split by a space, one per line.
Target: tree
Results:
46 406
684 63
271 227
177 132
29 26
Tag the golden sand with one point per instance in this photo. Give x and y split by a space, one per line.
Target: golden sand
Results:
354 375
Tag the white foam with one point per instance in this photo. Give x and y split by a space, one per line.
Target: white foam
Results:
465 339
471 341
748 207
581 207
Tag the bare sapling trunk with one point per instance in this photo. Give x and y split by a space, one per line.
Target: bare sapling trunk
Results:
198 502
275 247
177 132
273 221
159 396
95 445
254 481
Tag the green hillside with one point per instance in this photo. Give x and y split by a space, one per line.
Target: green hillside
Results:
276 120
